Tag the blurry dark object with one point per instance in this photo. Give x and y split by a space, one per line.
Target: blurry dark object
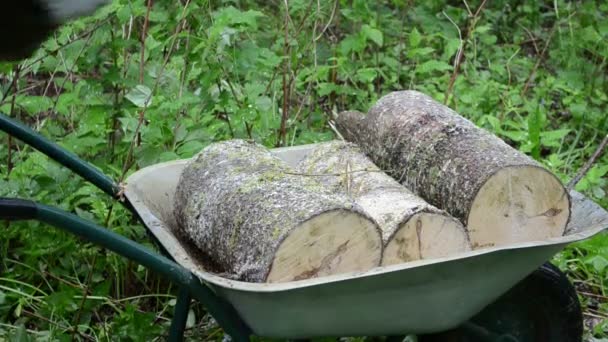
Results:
26 24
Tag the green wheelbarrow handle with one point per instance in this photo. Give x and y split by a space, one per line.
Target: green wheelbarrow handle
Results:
70 161
222 312
16 209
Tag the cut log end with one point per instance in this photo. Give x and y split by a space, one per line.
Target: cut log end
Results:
518 204
258 221
502 195
333 242
426 236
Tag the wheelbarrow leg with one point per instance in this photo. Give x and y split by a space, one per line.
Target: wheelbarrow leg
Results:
226 316
180 316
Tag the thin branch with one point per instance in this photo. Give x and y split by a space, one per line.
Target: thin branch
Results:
60 326
285 113
87 284
144 34
596 312
589 294
480 8
307 14
300 108
538 60
81 36
127 31
457 62
459 53
468 8
231 87
85 292
128 164
532 38
583 171
70 72
587 313
226 117
142 60
30 64
331 18
463 42
9 162
181 111
333 127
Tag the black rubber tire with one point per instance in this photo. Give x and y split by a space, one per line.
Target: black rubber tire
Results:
544 307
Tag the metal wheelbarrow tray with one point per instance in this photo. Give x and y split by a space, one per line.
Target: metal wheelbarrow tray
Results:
413 298
416 297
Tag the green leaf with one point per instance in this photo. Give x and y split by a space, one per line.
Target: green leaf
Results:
553 138
326 88
352 43
366 75
598 192
191 320
141 96
62 301
20 335
517 136
420 52
483 28
263 103
493 121
190 148
168 156
451 47
488 39
598 262
232 16
415 38
534 127
590 35
578 109
37 104
431 66
373 34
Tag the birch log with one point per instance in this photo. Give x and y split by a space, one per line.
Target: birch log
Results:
411 228
499 193
259 221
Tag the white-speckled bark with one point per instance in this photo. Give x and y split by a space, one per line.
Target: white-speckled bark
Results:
431 149
343 168
237 202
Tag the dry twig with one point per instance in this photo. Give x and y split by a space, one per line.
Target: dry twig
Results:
583 171
460 54
538 61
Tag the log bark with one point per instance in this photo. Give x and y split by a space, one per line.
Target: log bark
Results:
412 229
259 221
500 194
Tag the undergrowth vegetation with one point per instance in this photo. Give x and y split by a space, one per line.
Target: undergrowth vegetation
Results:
143 82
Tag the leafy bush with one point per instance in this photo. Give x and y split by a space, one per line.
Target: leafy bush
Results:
135 85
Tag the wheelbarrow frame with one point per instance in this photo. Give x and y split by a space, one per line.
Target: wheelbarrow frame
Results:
190 286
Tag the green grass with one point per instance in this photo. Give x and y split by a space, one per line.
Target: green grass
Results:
534 73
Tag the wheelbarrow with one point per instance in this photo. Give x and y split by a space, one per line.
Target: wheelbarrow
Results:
507 293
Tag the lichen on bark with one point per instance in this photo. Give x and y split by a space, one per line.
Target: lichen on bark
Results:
344 168
435 152
237 202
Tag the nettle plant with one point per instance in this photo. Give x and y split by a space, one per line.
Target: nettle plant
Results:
142 82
